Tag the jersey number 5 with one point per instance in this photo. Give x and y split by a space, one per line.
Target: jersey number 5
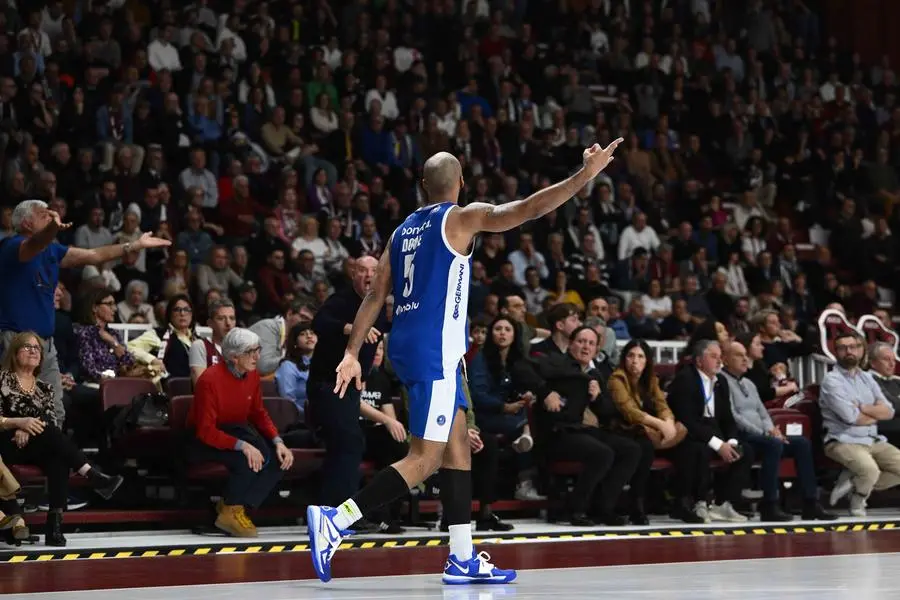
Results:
409 271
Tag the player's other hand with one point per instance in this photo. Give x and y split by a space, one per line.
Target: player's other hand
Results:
347 371
596 158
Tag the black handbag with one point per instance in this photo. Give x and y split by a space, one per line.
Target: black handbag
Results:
145 410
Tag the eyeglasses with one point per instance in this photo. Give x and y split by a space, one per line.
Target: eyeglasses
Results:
183 310
255 350
33 348
845 347
107 303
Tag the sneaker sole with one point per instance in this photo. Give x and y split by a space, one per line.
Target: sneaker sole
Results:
466 580
311 519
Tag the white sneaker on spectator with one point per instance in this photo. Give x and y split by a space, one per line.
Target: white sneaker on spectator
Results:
72 504
857 505
842 487
524 443
726 512
701 509
526 491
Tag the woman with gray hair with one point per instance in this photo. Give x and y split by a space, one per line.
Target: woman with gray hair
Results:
231 427
135 302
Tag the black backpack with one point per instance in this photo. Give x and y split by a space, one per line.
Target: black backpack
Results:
145 410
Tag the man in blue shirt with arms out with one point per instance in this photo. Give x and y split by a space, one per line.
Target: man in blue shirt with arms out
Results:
431 256
29 264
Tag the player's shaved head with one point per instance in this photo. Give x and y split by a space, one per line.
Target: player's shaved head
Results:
441 176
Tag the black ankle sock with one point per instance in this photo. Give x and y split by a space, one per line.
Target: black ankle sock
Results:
387 486
456 496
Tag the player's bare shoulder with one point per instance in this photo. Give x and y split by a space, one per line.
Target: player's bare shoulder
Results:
464 223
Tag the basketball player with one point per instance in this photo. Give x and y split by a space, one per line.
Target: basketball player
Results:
426 266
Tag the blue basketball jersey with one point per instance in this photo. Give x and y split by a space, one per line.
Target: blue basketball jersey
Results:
429 332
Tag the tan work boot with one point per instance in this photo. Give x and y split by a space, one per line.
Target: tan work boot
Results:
234 521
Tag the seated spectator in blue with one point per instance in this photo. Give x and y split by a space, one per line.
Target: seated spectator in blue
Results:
639 323
169 345
756 428
386 439
571 408
500 402
293 372
616 320
634 273
679 325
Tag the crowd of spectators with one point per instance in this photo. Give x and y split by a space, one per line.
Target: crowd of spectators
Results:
275 143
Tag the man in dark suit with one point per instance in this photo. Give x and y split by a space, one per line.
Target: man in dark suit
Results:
703 404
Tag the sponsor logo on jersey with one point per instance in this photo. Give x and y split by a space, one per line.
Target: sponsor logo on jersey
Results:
402 308
416 230
457 297
441 420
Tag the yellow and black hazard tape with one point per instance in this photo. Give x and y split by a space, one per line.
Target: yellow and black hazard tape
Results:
41 554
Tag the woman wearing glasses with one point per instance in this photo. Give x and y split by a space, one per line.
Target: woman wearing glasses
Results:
30 433
232 427
100 349
169 346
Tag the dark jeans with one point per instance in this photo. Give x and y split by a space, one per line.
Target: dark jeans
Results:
244 487
336 422
54 453
485 470
691 460
771 450
645 464
693 472
609 459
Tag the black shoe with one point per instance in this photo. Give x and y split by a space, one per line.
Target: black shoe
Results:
53 535
770 511
684 512
639 518
391 528
638 515
366 526
611 519
580 520
492 523
813 511
105 485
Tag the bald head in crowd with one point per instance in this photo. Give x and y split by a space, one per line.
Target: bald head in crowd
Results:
442 177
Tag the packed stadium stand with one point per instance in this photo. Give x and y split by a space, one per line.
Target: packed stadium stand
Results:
274 143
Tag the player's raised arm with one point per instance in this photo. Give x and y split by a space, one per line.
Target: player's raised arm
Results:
478 217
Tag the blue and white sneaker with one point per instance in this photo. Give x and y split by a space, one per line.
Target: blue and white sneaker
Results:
324 538
477 571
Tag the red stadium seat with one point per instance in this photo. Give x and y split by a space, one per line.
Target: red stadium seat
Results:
181 406
144 443
179 386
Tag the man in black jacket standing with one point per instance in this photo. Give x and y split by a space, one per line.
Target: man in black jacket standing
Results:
336 419
703 404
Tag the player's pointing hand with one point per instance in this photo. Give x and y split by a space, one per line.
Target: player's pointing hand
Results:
347 371
596 158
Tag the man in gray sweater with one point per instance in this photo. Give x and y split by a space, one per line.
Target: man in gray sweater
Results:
768 442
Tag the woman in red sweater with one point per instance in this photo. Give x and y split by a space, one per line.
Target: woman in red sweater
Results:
232 427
